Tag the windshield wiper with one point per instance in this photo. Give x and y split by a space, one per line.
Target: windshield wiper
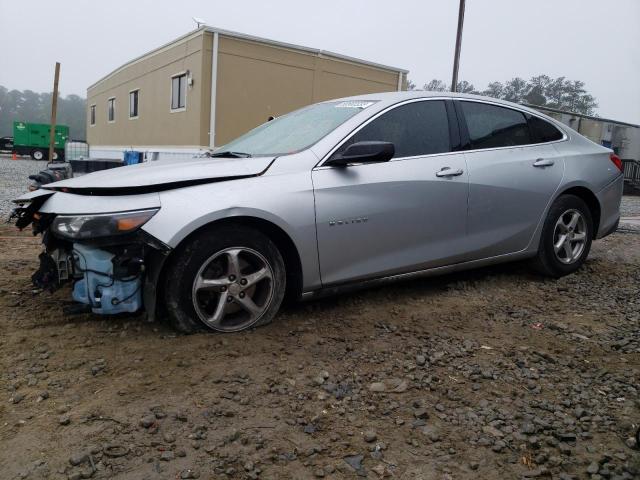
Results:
230 154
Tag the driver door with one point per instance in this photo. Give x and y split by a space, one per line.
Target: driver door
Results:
403 215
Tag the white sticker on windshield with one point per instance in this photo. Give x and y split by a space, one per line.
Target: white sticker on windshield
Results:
354 104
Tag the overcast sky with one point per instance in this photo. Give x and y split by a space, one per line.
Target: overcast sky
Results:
596 41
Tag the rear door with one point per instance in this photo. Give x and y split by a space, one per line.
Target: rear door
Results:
398 216
512 177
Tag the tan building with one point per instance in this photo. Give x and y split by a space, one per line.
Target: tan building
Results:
209 86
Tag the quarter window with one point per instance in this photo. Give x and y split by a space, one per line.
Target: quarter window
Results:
133 104
491 126
417 128
178 91
111 109
543 131
92 115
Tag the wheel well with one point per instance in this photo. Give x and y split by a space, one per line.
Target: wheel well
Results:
283 242
592 202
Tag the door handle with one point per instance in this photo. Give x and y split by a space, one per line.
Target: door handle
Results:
543 162
448 172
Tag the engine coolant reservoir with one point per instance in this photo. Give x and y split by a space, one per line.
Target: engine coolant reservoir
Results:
99 288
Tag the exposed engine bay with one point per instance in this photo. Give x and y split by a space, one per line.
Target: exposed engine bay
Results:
107 273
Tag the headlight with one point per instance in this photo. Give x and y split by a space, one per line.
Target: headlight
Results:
81 227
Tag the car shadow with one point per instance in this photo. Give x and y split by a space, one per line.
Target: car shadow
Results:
416 287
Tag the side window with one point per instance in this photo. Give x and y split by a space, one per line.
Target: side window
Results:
543 131
418 128
491 126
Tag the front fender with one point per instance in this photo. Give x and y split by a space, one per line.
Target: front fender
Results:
283 200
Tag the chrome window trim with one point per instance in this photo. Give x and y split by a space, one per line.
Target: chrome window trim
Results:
564 138
371 119
324 159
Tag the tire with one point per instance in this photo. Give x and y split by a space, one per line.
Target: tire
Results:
557 258
201 291
38 154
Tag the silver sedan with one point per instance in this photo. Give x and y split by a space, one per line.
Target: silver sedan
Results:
337 194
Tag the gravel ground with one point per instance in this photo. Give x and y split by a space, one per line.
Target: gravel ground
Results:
492 374
14 179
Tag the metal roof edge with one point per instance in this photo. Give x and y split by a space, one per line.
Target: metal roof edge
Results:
183 38
243 36
317 51
590 117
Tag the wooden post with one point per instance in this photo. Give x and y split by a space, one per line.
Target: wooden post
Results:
456 58
54 109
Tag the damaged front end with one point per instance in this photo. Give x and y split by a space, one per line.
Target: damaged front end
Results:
113 264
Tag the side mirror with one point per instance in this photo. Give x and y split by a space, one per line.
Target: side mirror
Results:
364 152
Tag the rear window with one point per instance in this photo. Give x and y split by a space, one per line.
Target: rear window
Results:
543 131
491 126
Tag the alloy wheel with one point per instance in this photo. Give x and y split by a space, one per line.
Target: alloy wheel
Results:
570 236
233 289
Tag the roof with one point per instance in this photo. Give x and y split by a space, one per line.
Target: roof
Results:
536 109
316 51
242 36
407 95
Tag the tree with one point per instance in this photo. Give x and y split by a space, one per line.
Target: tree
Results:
515 90
494 89
30 106
410 85
465 87
554 92
435 86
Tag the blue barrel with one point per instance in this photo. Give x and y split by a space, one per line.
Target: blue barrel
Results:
132 157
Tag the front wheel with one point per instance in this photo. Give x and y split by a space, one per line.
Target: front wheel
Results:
227 279
566 237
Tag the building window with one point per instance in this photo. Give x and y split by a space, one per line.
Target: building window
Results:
92 115
133 104
179 91
111 110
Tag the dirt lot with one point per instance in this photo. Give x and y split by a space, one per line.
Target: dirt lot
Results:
492 374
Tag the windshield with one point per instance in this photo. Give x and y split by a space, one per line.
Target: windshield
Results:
294 131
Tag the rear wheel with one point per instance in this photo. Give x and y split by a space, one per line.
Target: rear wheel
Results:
227 279
566 237
38 154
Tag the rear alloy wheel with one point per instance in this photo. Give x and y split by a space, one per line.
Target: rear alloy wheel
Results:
227 279
566 237
569 237
37 154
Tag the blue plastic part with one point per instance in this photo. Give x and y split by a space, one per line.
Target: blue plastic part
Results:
131 157
97 286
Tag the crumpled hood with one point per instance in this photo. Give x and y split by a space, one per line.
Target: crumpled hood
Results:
162 175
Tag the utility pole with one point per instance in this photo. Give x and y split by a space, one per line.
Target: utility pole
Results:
456 58
54 109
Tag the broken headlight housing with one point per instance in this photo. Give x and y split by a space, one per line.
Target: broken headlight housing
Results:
83 227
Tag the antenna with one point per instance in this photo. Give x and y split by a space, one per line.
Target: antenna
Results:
199 21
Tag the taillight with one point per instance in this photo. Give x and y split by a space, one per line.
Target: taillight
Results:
616 161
